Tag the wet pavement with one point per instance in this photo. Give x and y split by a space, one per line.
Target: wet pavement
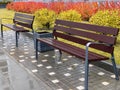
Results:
13 76
19 70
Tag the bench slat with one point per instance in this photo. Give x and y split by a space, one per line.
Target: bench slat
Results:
108 49
24 15
96 28
78 52
25 25
23 20
16 28
95 36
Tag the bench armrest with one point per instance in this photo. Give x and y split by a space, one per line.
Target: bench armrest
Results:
87 48
89 43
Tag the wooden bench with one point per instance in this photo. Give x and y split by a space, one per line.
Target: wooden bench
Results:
91 36
21 23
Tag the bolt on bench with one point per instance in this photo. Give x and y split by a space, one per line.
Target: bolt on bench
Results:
21 23
91 36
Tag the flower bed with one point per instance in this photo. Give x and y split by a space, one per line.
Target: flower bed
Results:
86 9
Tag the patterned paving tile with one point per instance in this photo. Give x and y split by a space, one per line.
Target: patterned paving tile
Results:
66 74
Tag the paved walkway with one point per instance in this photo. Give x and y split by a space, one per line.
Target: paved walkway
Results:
45 74
14 76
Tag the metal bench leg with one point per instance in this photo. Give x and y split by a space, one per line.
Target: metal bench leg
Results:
16 37
86 67
2 31
86 74
18 34
58 56
60 53
115 68
36 49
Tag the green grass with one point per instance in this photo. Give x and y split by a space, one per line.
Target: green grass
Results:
4 13
9 14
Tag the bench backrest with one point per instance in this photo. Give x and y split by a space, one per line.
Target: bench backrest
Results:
83 33
24 20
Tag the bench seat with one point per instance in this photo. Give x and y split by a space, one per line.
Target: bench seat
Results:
79 52
16 28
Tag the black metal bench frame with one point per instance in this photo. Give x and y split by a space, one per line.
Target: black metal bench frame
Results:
91 36
22 22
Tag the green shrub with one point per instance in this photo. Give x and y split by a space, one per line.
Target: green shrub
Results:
44 19
70 15
106 18
112 19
